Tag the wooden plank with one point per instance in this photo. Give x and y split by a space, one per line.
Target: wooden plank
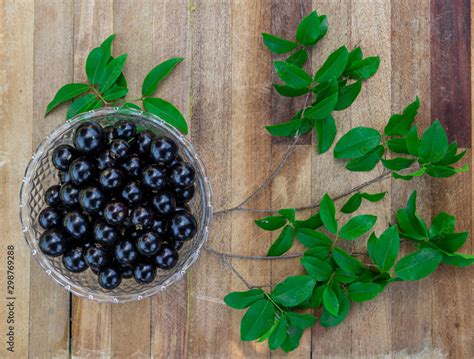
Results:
16 96
91 321
410 78
53 61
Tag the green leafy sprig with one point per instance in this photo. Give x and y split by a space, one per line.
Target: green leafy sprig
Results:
107 86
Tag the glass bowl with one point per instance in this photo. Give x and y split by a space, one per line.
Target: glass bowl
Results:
40 174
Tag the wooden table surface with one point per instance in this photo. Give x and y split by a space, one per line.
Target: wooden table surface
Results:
224 88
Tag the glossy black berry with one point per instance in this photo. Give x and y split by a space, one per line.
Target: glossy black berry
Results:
132 234
132 193
164 203
91 199
62 157
132 166
74 261
105 234
51 196
182 175
82 171
108 133
109 277
163 150
127 272
178 245
76 224
182 226
141 216
124 129
69 194
182 207
184 194
89 138
125 252
148 243
154 177
144 273
96 257
119 149
159 225
167 257
53 243
111 179
105 160
115 213
176 160
143 142
64 177
49 218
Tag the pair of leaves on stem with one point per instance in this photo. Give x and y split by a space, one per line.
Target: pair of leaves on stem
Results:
107 85
363 147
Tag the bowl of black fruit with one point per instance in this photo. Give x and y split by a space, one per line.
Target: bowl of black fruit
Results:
115 205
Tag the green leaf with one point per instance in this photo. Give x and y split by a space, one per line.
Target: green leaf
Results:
412 141
298 58
398 145
357 142
328 320
316 268
271 223
451 156
277 45
439 171
95 64
288 213
361 292
317 296
347 95
241 300
313 222
289 91
346 262
66 93
158 74
320 252
355 201
434 143
419 264
257 320
441 224
301 321
324 105
115 92
385 249
354 55
286 129
367 162
292 339
328 214
292 75
364 69
450 242
293 290
330 301
411 226
311 238
410 176
279 334
399 124
357 226
283 242
111 72
83 104
326 130
334 66
397 164
458 259
131 105
344 277
167 112
323 27
308 29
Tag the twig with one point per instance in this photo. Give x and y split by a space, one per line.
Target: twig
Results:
241 256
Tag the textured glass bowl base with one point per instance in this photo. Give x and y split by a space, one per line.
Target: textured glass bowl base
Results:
40 174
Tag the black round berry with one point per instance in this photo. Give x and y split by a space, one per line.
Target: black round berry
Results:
180 207
148 243
182 175
89 137
164 203
141 216
182 226
178 245
51 196
115 213
105 160
82 171
69 194
167 257
124 129
159 225
108 133
119 149
144 273
74 261
125 252
53 243
132 166
154 177
76 224
143 142
49 218
132 193
178 159
105 234
163 150
184 194
109 277
64 177
111 179
62 157
127 272
91 199
96 257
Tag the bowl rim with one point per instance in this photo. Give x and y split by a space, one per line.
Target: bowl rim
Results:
46 265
